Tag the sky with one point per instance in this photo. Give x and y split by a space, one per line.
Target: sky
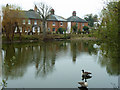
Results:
62 8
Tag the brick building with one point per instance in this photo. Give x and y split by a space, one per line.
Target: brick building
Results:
31 21
55 22
75 20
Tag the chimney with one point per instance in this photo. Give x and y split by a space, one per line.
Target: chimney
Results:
74 13
52 11
35 8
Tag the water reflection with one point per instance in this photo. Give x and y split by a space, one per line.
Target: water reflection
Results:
109 57
18 57
42 57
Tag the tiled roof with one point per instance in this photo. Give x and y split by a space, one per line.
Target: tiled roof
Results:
56 18
31 14
76 19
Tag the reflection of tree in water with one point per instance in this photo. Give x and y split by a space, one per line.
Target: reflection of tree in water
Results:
19 57
16 61
47 56
43 55
81 46
110 58
46 61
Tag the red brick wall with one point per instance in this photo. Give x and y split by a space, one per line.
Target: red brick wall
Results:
80 26
57 25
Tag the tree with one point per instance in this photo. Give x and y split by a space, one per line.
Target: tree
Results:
91 19
86 28
10 20
44 12
109 34
74 28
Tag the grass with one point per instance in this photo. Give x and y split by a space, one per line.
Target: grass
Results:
49 37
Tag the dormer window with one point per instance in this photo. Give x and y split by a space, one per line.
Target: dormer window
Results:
61 23
35 22
29 22
53 23
23 21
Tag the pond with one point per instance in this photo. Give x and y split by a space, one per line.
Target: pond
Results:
56 64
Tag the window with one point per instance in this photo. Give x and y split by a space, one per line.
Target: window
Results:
82 24
53 23
23 21
35 22
53 29
29 22
48 29
61 23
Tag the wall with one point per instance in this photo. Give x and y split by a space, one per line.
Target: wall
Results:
80 26
57 25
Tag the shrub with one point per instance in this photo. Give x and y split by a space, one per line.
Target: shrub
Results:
60 30
79 32
86 29
74 28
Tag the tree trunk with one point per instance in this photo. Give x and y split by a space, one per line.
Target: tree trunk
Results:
44 30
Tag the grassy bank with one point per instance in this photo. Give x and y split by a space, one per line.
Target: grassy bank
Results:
32 38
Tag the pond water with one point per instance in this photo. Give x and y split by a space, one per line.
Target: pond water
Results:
56 64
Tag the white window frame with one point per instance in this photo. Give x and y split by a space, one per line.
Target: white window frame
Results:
61 23
35 22
29 21
53 24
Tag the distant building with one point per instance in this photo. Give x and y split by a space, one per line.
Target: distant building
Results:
55 22
75 20
31 21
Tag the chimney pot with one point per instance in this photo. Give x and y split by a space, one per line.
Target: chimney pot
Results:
74 13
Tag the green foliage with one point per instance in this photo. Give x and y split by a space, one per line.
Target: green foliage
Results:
61 30
109 35
91 19
79 32
86 28
74 28
109 27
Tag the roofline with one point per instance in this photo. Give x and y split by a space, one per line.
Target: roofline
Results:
57 20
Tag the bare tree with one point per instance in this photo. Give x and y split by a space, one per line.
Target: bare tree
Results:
44 12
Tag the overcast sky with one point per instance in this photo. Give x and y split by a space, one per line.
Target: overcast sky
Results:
62 7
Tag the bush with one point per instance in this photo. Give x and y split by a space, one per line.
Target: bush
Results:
60 30
86 29
74 28
79 32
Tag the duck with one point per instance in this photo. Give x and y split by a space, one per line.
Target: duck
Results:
85 73
86 77
83 84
